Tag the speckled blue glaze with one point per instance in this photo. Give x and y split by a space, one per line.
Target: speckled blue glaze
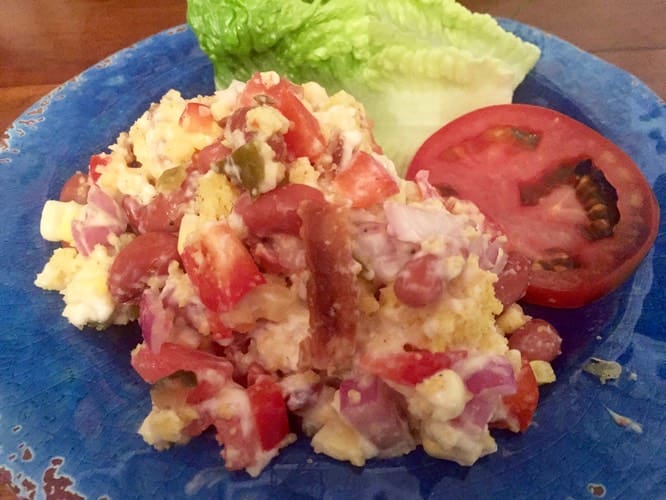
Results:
70 404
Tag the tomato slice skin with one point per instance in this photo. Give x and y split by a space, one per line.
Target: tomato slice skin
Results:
488 155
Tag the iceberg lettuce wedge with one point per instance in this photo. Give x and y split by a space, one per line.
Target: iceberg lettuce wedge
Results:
414 64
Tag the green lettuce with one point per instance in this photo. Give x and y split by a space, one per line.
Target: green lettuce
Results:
414 64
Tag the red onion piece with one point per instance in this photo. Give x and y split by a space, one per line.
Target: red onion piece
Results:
415 224
373 408
378 251
492 373
478 411
103 217
156 322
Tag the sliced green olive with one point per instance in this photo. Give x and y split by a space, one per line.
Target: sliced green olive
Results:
246 165
171 179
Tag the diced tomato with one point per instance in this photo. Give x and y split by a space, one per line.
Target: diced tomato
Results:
269 411
277 210
365 181
240 442
410 367
252 420
567 198
220 267
96 165
304 137
203 391
145 256
521 405
256 86
218 330
197 118
76 189
172 358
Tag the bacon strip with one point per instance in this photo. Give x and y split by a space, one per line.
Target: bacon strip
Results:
332 288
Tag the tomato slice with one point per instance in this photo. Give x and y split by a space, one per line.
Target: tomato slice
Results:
220 267
568 199
365 181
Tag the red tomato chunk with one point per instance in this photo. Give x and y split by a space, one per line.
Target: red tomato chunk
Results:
220 267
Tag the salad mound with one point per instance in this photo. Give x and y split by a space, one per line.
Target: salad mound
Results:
279 267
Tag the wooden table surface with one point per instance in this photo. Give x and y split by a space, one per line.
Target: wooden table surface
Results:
43 43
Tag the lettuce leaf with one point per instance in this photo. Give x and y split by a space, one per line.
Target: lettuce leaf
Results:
414 64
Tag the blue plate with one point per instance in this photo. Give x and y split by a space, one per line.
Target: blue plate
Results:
70 404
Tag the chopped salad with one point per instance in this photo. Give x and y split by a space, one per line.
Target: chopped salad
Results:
279 267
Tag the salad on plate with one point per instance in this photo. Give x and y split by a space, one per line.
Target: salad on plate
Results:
279 267
288 280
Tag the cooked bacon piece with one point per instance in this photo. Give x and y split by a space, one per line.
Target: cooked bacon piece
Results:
332 288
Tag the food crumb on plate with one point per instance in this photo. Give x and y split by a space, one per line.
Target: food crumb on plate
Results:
604 369
626 422
597 490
